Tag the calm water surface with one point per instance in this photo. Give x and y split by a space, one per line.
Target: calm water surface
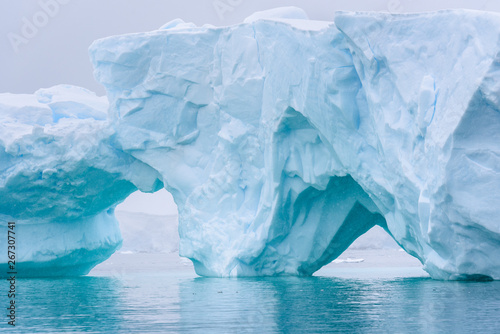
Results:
176 302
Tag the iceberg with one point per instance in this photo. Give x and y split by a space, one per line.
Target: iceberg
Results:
60 179
281 139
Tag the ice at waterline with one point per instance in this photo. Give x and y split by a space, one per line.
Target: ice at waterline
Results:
281 140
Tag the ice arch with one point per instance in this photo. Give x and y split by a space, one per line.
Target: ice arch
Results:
64 171
260 114
281 141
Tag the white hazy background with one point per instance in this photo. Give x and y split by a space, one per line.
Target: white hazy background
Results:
55 51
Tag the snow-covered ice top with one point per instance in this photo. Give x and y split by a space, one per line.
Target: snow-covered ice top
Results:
282 139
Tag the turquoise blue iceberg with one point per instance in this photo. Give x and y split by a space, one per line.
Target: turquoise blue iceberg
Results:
281 139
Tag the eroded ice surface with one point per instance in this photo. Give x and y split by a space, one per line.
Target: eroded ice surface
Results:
282 139
60 178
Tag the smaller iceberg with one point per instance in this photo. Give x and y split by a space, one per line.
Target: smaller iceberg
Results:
60 179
